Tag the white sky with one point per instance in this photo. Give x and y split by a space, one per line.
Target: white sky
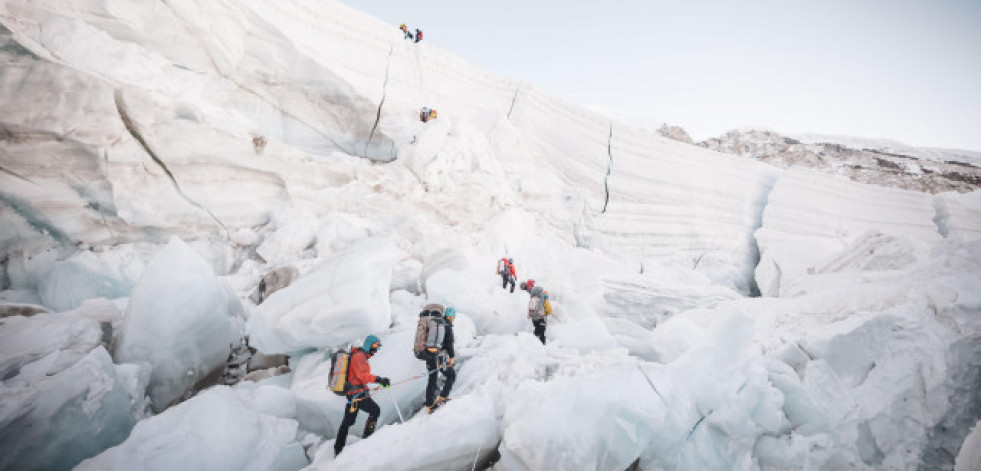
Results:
900 69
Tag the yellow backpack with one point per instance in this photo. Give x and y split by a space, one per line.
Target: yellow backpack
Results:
548 308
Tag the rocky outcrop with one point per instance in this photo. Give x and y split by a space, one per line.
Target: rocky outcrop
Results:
675 132
866 165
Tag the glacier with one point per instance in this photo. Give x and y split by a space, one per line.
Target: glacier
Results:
711 311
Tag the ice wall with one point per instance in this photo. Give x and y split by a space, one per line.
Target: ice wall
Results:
810 217
179 103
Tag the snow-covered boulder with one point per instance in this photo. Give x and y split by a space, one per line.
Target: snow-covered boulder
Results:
344 298
213 431
177 323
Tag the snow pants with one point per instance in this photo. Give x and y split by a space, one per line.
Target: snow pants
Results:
433 363
351 414
505 279
539 329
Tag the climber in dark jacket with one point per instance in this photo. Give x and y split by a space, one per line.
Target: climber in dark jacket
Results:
441 362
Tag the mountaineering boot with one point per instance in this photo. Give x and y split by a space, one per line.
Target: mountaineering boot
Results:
369 428
440 400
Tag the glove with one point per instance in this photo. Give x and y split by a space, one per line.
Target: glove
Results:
383 381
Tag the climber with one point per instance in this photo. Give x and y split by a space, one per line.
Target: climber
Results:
418 35
505 268
538 307
427 114
358 377
441 360
405 31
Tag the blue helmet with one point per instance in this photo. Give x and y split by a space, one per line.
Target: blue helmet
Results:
449 313
370 342
510 260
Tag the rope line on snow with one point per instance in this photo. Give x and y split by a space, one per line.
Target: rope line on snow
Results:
366 389
648 378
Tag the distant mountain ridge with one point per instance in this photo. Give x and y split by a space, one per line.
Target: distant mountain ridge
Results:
876 161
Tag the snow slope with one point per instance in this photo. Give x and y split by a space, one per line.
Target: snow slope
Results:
127 124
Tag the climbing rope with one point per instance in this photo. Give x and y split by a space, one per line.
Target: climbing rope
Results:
366 390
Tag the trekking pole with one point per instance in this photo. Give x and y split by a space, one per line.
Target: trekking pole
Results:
396 403
475 458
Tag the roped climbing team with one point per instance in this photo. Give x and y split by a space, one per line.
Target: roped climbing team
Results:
434 345
426 114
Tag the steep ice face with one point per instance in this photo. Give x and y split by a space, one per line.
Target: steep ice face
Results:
167 94
810 217
177 323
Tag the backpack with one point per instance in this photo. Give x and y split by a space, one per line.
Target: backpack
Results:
340 361
502 266
535 306
430 331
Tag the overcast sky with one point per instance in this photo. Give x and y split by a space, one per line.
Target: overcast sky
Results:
899 69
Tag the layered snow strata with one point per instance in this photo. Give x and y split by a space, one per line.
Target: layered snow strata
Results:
959 214
177 323
810 216
215 430
342 299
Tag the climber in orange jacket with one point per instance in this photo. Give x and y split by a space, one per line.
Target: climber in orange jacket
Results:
358 377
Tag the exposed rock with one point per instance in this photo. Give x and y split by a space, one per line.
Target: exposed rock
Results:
26 310
274 281
675 132
260 375
261 361
880 167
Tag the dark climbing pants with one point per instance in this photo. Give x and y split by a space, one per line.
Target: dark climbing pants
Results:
368 405
432 363
505 279
539 329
